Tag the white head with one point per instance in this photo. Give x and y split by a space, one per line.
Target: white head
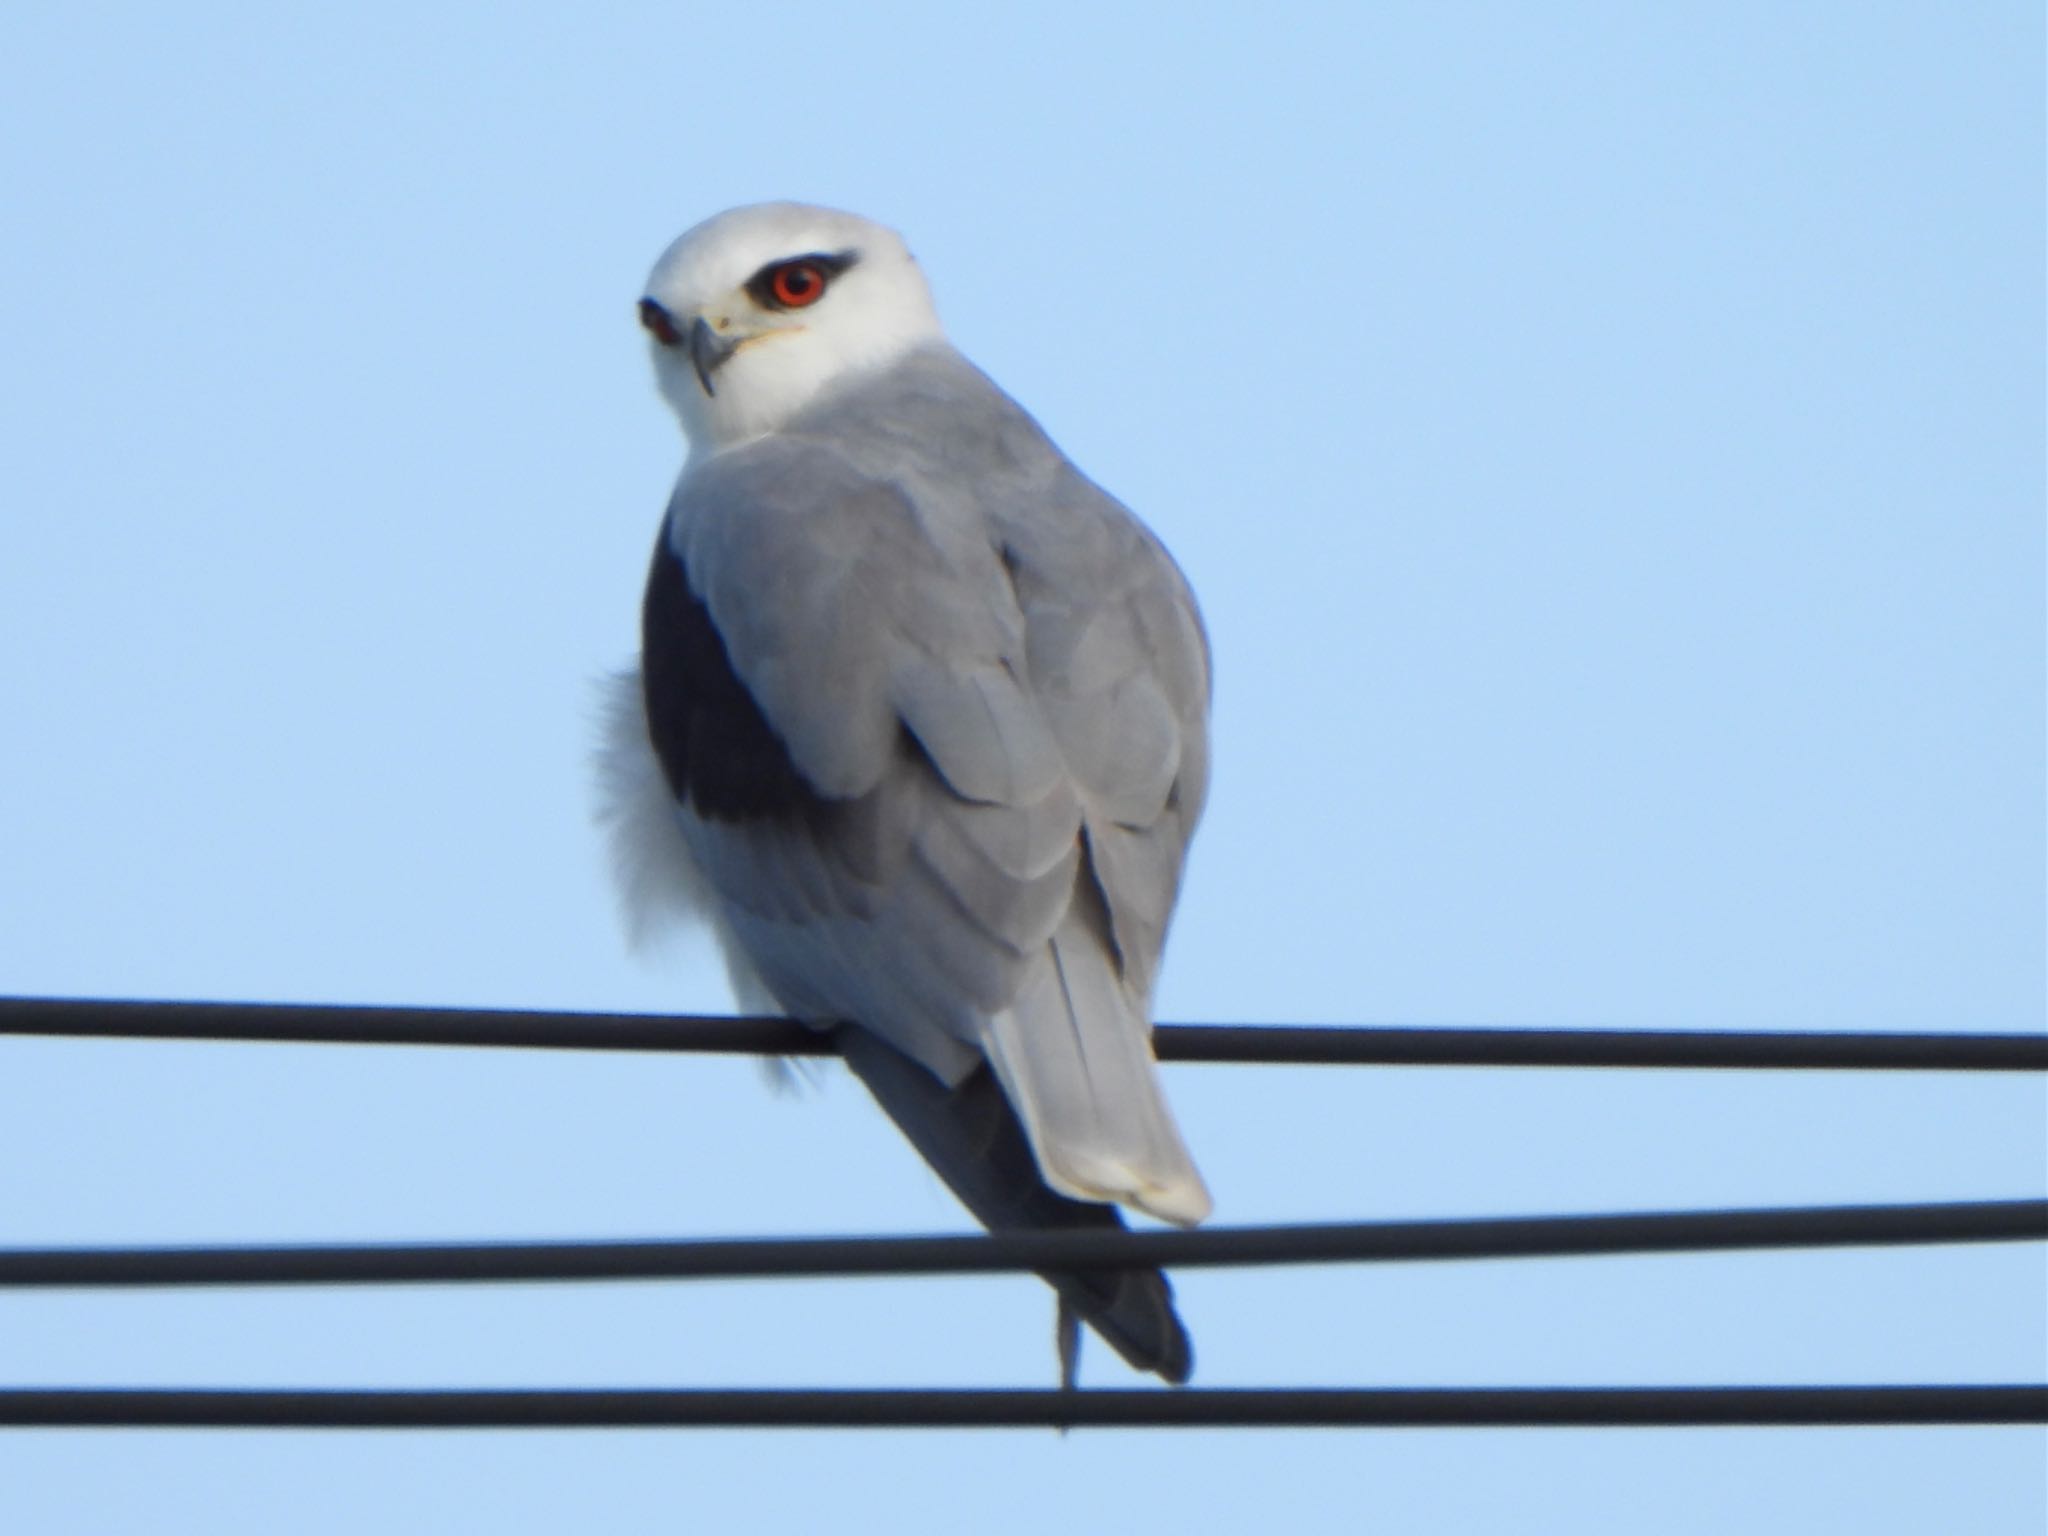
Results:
753 312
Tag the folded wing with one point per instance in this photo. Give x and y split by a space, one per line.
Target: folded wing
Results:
935 711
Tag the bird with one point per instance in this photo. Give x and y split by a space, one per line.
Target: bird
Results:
919 728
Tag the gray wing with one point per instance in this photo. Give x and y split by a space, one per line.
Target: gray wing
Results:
989 687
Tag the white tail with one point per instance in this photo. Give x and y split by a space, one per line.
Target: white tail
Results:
1074 1055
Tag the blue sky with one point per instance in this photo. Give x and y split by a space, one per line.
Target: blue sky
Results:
1607 442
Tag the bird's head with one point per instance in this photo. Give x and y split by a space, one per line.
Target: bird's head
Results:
755 311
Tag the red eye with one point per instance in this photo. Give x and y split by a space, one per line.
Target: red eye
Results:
659 322
796 284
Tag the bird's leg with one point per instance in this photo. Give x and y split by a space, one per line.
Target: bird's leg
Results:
1067 1339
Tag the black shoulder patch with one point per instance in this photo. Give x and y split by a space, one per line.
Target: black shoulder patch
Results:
717 750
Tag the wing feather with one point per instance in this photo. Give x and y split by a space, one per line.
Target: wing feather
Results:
979 694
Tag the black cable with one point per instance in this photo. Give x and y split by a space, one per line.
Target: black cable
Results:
1992 1221
1459 1408
1379 1045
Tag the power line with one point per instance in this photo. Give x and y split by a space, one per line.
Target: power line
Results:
1991 1221
1492 1238
1373 1045
1464 1408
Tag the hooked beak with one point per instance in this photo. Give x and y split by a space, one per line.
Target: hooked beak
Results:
708 351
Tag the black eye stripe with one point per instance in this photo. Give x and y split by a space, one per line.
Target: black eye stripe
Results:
829 264
659 322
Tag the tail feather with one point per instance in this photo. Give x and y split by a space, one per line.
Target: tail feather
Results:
973 1139
1075 1056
